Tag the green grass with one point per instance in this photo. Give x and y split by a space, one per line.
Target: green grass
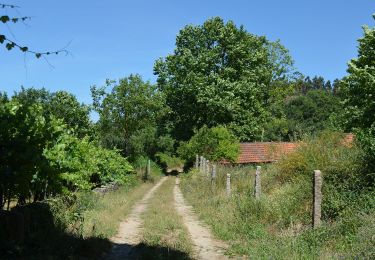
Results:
278 226
110 209
164 235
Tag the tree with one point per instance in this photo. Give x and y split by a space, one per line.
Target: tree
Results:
358 89
41 156
360 84
60 104
131 105
310 113
220 74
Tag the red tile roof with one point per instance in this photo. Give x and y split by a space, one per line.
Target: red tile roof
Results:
265 152
261 152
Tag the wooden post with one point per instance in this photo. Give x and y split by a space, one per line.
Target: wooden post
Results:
258 187
228 184
196 162
317 207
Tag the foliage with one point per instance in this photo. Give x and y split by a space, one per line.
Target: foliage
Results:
147 142
215 144
40 156
359 94
301 108
133 107
83 165
170 162
310 113
25 132
140 166
346 184
60 104
220 74
279 224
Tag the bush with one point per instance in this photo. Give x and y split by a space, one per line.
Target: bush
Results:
216 144
169 162
83 165
341 165
140 166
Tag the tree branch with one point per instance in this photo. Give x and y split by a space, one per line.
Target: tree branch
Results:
11 44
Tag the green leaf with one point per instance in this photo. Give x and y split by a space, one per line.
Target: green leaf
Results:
24 49
2 38
10 46
4 18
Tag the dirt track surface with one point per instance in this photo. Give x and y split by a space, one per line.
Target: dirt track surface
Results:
128 235
205 246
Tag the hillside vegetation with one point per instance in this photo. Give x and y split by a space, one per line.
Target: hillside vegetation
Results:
279 225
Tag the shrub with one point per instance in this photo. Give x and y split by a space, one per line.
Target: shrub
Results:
216 144
341 165
82 165
169 161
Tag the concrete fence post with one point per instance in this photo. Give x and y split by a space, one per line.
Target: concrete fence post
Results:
317 197
148 168
201 164
196 161
257 185
213 174
207 170
204 165
228 185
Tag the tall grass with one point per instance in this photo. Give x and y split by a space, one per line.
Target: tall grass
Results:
279 224
164 235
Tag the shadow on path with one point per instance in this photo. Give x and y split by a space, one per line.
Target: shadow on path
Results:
31 232
144 251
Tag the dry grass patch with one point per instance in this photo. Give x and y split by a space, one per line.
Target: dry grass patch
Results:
111 209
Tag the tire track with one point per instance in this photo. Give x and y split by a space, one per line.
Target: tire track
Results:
205 246
128 235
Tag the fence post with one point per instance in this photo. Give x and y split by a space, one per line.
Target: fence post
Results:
207 170
213 174
196 161
258 187
201 163
317 207
204 165
228 184
148 172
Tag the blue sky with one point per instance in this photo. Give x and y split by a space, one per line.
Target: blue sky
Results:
113 38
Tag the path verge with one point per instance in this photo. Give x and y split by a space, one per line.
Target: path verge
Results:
205 245
128 235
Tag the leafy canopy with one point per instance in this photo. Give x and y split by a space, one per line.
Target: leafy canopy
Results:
220 74
359 94
131 106
216 144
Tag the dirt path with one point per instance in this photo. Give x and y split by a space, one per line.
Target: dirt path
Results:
128 235
205 246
